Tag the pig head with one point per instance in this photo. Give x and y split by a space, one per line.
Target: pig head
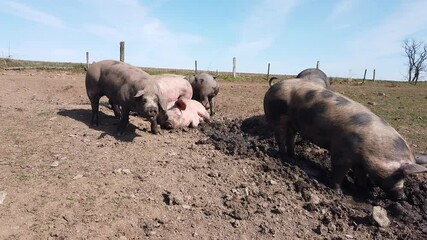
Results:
184 113
355 137
205 89
315 75
310 74
127 88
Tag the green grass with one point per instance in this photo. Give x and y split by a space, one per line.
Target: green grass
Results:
7 63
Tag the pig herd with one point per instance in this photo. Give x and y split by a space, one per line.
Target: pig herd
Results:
355 137
166 100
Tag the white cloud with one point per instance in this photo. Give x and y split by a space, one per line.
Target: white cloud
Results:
149 41
24 11
252 48
386 38
258 30
342 8
104 31
380 46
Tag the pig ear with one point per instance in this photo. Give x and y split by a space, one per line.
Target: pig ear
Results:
413 169
181 104
139 94
421 158
162 104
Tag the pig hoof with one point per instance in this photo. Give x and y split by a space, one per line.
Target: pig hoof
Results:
290 160
120 133
397 196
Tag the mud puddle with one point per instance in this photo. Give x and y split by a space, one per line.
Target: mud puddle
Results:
307 179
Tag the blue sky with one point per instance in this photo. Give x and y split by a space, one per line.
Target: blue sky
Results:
346 36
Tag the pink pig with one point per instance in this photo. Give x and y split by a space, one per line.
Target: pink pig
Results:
173 87
184 113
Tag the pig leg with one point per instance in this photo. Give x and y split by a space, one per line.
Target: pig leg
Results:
360 177
290 142
211 105
340 168
116 109
154 126
124 120
94 102
281 132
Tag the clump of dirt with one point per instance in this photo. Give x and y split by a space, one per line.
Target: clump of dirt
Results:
308 178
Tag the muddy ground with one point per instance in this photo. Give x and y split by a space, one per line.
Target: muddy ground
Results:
60 178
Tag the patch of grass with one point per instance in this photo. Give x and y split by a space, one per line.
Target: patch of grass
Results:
7 63
45 113
23 177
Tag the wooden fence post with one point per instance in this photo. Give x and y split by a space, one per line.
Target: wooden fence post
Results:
122 51
268 72
317 65
373 76
364 76
195 67
87 60
234 67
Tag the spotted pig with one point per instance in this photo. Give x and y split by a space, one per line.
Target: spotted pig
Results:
355 137
311 74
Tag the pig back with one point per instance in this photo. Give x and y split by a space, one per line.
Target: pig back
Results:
342 125
173 87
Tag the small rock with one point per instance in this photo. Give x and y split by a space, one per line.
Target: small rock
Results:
381 94
372 103
126 171
78 176
235 223
331 227
52 118
272 182
314 199
213 175
379 214
278 210
2 196
186 206
321 229
55 164
86 140
171 154
264 228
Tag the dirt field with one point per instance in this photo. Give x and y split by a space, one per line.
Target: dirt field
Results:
63 179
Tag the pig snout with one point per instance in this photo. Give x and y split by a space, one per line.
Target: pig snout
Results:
169 125
147 108
152 111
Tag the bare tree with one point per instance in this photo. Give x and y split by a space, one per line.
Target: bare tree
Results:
416 52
